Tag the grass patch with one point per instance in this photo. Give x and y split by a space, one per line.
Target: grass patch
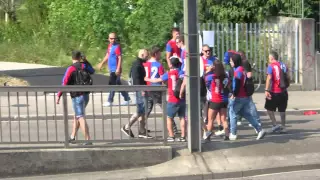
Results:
11 81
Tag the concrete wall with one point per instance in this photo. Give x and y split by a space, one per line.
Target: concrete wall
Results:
54 161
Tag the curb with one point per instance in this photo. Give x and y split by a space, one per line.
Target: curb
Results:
238 174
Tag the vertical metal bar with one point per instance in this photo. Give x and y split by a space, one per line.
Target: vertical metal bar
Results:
93 116
19 120
222 39
237 37
55 116
260 60
302 9
247 32
28 116
218 40
0 118
102 112
296 63
214 38
146 110
129 113
256 45
164 116
46 112
265 29
9 111
227 36
37 114
155 120
251 34
120 114
232 34
65 120
111 123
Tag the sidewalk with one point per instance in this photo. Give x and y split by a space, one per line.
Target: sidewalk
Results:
296 150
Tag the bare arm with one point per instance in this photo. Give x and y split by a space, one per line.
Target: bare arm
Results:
119 63
183 86
268 80
168 54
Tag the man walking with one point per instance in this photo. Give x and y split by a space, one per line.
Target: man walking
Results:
138 74
276 92
114 59
78 74
171 48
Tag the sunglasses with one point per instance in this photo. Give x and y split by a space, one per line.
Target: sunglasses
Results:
207 51
112 38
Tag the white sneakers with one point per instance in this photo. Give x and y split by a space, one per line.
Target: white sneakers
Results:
261 135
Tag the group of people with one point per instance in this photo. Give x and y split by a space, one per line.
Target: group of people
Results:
226 95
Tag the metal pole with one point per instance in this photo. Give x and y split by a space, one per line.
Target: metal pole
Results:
302 8
296 63
237 37
193 70
65 120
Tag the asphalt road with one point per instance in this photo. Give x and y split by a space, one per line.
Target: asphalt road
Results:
50 76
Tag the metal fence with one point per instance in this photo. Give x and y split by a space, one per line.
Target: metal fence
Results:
256 40
30 117
317 36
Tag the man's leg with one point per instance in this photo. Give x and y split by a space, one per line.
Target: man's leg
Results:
271 106
123 93
249 114
171 112
283 103
80 103
235 106
112 81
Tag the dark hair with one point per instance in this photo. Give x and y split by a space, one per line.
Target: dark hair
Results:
274 54
205 45
76 55
175 29
219 70
180 38
175 62
155 50
243 55
237 60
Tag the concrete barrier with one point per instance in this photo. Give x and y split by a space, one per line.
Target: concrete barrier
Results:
53 161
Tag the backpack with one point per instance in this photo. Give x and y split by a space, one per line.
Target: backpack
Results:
176 91
82 77
284 78
249 86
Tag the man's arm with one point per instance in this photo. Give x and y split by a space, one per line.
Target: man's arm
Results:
105 59
269 77
168 54
65 80
236 84
88 67
183 86
118 53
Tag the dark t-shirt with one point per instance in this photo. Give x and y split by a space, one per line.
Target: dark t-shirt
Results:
247 66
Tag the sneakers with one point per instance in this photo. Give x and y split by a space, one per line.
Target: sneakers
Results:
233 137
261 134
107 104
207 134
283 130
145 136
275 128
220 133
72 141
170 139
87 143
182 139
226 138
239 123
125 103
127 132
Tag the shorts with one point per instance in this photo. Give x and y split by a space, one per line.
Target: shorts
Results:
218 106
140 103
278 101
79 104
156 97
174 109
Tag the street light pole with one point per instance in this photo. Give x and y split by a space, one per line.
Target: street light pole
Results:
193 71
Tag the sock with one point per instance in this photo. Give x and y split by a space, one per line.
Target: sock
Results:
72 137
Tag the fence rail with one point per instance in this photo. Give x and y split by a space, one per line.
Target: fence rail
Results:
36 120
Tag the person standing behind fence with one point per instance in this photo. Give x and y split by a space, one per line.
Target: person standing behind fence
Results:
276 91
171 48
138 74
175 105
78 74
114 59
154 70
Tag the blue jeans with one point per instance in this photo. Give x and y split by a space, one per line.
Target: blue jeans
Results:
246 108
79 104
116 80
140 103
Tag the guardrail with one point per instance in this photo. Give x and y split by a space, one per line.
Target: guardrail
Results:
30 117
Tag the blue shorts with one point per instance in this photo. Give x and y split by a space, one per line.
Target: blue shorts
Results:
140 103
79 104
174 109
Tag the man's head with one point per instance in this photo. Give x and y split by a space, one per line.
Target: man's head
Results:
180 41
175 33
112 38
175 62
228 55
76 55
143 54
156 52
273 56
206 51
